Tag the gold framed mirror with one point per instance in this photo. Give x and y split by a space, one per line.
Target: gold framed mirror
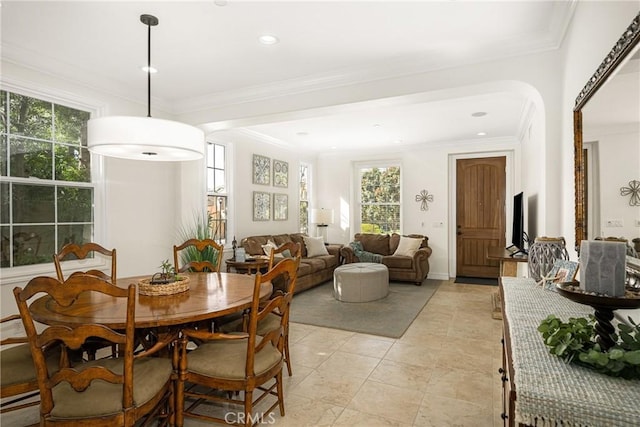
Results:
594 104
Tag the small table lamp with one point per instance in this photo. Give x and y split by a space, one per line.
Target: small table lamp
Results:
322 218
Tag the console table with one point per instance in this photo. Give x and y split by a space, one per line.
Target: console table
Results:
508 261
539 388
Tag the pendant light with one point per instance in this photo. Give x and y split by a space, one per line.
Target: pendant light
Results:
145 138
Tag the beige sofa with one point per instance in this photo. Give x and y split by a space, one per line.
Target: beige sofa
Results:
312 271
401 268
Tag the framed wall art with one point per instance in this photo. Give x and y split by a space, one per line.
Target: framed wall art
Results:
280 173
280 207
261 206
261 170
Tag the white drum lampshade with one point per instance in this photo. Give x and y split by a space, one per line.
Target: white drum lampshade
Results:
144 138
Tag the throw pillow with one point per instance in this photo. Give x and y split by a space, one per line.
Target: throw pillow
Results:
270 245
407 246
315 246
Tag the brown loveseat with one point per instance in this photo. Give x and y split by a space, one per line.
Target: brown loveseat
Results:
401 268
312 271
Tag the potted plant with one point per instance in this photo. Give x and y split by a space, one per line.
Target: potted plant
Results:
202 227
165 282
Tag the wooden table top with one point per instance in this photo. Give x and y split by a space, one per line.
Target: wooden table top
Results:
500 253
210 295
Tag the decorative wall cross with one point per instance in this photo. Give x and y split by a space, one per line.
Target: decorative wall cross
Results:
424 197
634 191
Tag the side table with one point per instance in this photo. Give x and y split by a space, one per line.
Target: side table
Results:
250 266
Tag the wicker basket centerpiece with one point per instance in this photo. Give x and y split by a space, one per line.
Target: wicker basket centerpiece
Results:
165 283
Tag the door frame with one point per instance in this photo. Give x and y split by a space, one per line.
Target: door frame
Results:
509 189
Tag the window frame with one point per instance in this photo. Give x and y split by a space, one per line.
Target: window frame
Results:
357 177
307 166
18 274
227 193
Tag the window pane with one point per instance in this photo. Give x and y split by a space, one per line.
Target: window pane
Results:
30 158
219 157
210 155
29 117
33 204
220 186
33 244
3 111
210 180
217 209
304 217
73 163
70 125
75 204
76 233
3 155
6 250
4 203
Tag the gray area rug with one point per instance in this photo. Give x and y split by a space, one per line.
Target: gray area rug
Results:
388 317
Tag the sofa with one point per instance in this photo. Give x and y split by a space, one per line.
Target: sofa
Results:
412 266
312 270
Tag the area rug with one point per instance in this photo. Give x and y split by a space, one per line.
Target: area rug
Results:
476 280
388 317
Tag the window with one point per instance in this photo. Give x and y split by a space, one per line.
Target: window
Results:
379 194
303 180
217 190
46 193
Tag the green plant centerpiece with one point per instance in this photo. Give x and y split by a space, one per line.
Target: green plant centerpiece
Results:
575 341
165 282
167 274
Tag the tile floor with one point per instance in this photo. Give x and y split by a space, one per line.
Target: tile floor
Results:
441 372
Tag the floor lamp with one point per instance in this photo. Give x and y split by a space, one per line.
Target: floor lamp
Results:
322 218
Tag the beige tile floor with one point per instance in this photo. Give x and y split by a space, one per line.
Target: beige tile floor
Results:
441 372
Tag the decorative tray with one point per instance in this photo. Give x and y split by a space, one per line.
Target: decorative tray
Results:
572 291
145 287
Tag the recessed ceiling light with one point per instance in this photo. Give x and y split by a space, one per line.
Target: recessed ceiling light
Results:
376 125
149 70
478 114
268 39
397 141
220 2
481 134
333 147
302 133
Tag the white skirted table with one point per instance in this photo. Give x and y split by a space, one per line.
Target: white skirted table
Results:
360 282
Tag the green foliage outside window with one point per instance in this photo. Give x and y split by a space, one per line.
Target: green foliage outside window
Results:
380 200
46 195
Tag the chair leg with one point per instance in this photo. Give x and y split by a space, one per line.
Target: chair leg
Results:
287 357
248 408
179 403
279 388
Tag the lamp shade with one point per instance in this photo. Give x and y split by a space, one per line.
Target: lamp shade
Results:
322 216
144 138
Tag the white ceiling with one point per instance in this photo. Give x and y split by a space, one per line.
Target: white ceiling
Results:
209 55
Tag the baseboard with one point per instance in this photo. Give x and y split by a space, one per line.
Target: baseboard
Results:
438 276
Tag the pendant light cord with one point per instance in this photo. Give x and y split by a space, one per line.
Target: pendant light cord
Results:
149 70
149 21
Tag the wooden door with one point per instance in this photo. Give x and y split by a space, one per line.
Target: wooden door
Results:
480 214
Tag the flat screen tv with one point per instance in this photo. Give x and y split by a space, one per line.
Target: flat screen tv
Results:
517 230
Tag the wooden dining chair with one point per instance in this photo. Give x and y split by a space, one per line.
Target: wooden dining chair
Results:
246 362
108 392
286 250
73 251
17 371
198 255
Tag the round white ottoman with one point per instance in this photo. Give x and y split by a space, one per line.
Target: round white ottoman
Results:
360 282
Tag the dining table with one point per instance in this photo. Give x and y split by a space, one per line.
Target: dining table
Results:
210 295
